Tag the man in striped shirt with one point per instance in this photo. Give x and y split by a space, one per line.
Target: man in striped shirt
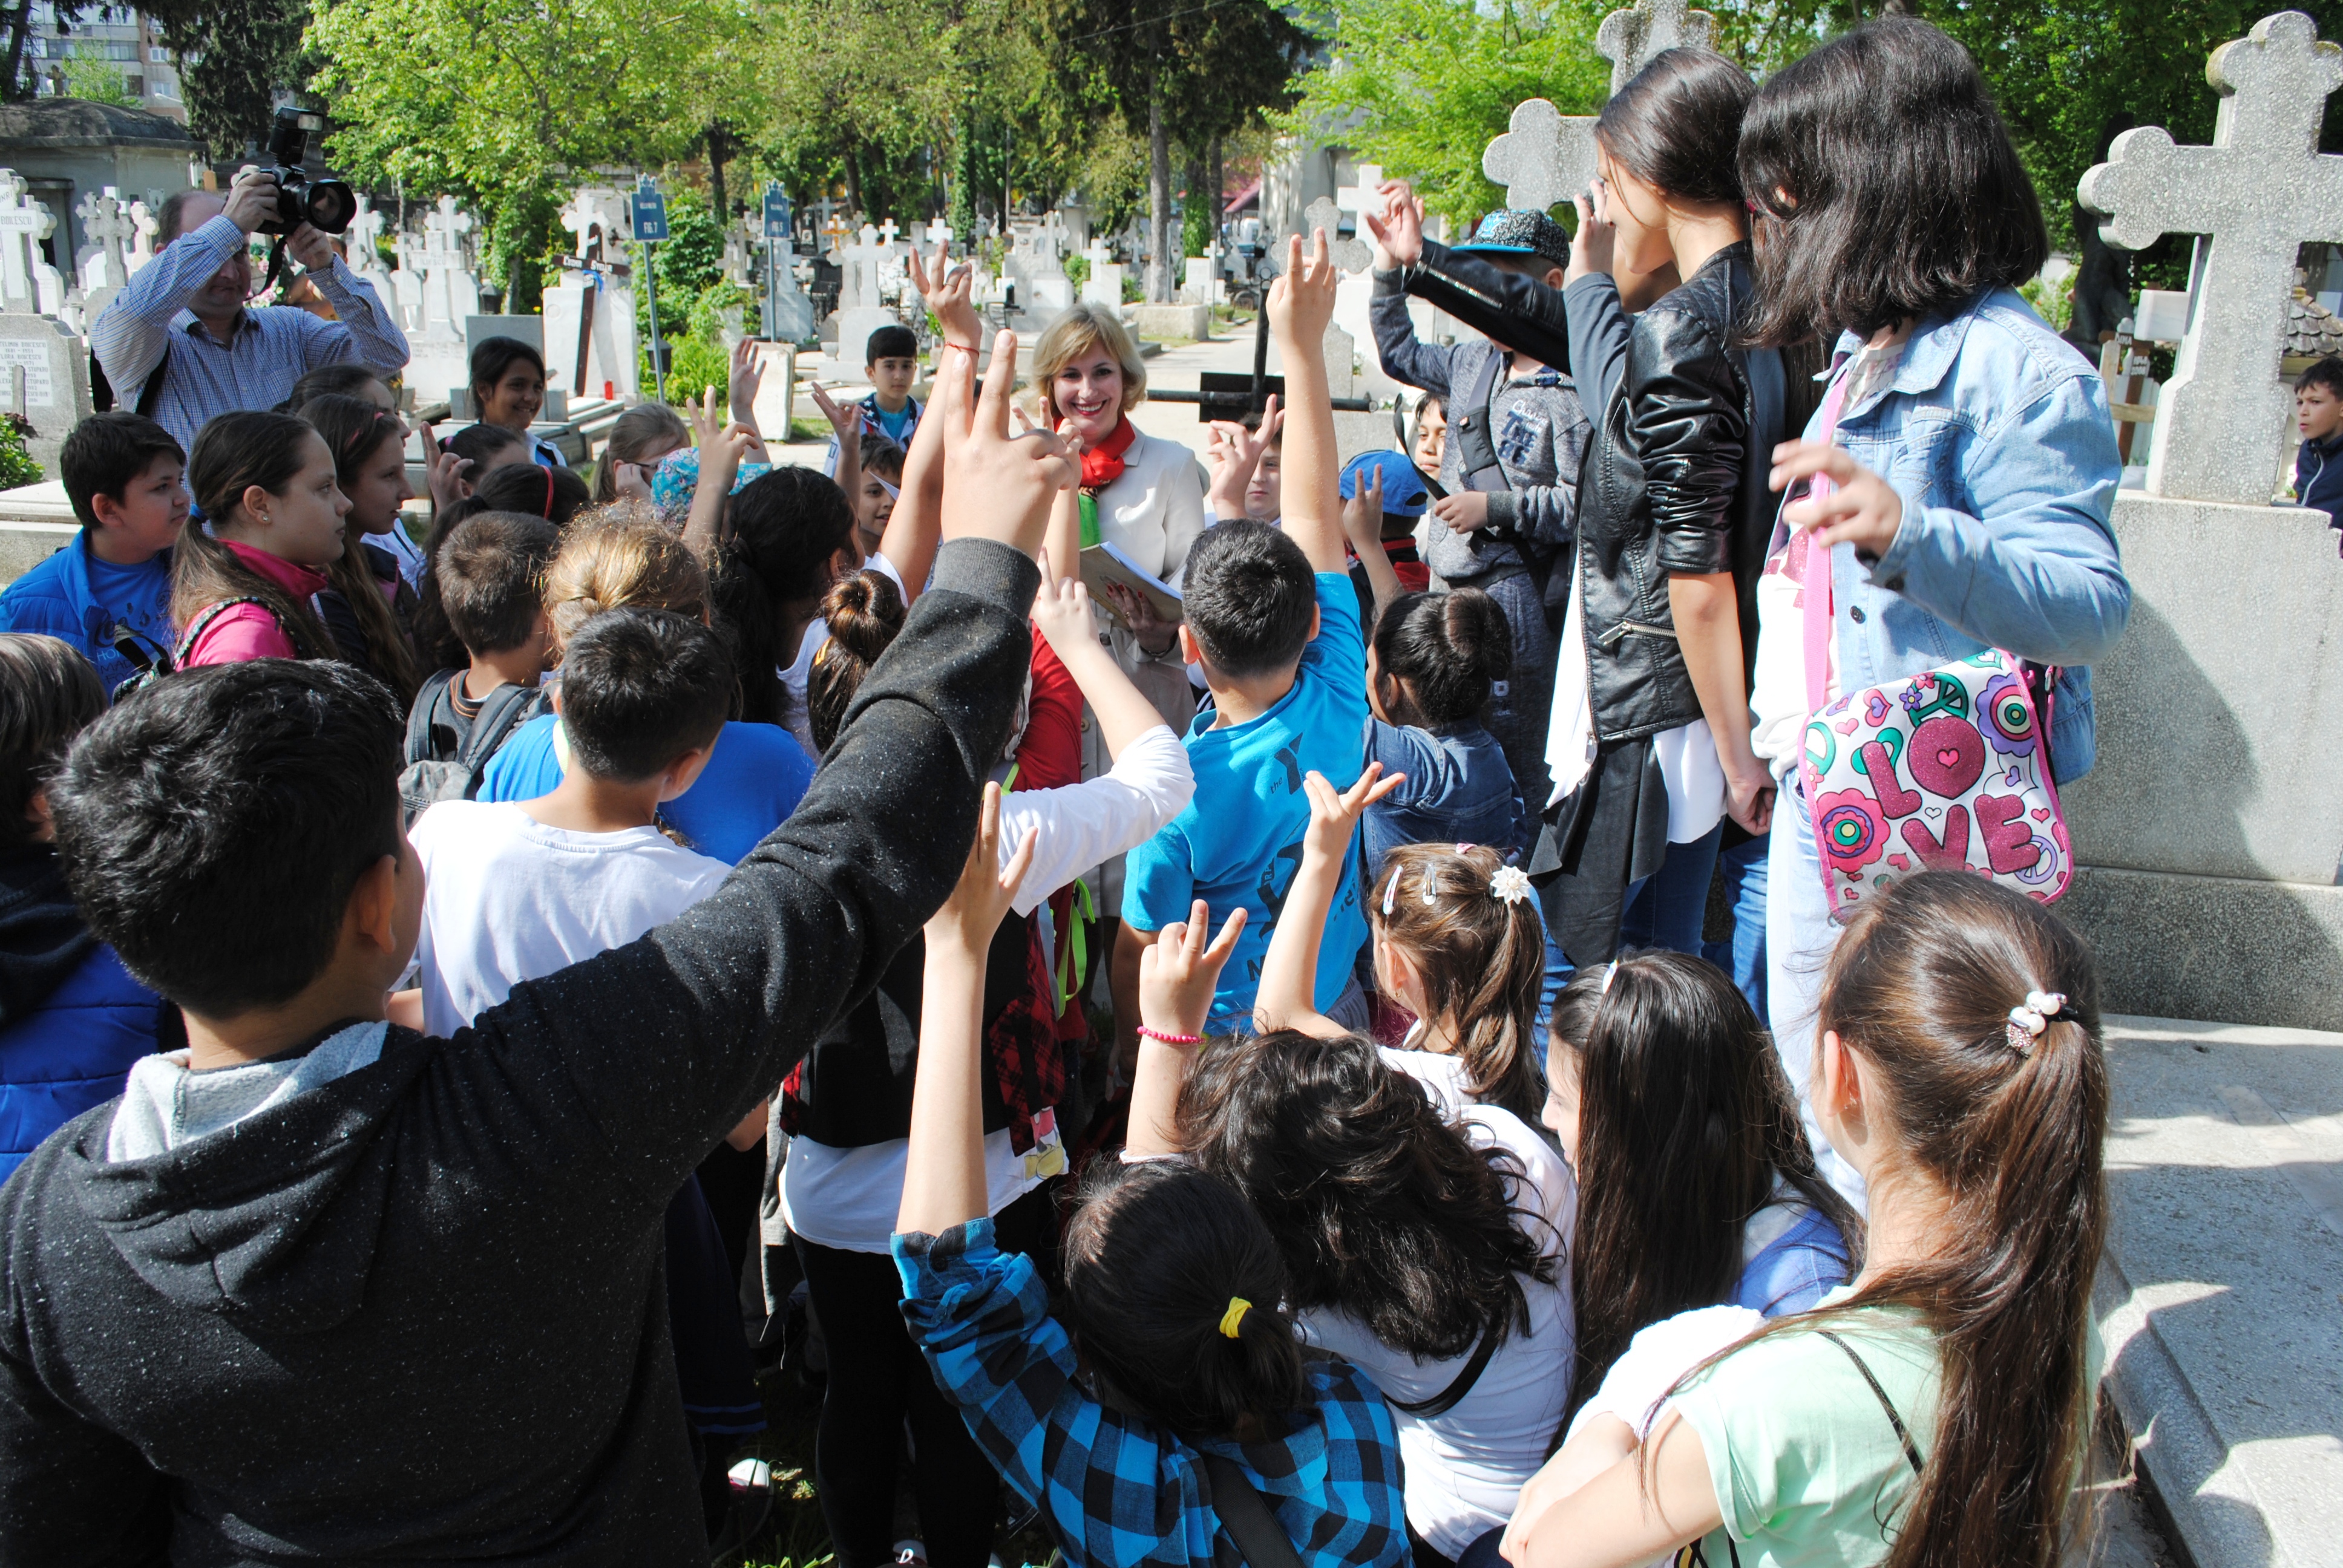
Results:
185 316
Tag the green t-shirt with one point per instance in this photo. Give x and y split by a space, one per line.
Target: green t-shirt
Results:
1805 1461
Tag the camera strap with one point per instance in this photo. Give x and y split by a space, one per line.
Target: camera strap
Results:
276 264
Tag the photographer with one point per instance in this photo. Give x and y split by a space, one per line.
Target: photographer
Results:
184 318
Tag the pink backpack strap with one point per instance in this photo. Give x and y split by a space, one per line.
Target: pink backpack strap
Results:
1817 587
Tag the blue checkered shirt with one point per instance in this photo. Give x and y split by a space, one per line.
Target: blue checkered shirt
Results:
272 346
1121 1492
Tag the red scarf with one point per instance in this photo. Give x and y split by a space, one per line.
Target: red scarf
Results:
1102 464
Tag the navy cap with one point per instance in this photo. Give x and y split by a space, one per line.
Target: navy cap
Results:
1405 495
1515 231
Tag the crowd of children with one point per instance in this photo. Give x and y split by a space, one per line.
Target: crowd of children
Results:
1243 1088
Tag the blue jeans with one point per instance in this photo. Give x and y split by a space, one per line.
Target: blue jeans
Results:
1742 867
1664 909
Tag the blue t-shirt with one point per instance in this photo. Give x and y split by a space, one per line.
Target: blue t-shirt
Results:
136 600
755 779
1239 842
898 425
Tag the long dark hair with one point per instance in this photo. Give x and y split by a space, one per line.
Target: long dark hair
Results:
49 693
1449 648
1379 1206
785 527
1481 962
1676 124
354 431
1684 1123
1920 987
233 453
1886 185
1158 1256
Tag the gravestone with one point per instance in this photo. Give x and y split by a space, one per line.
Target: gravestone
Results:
603 219
1104 285
1545 157
144 225
2208 837
365 257
860 312
450 292
27 282
104 263
792 307
44 364
1037 268
2253 198
940 233
406 282
590 346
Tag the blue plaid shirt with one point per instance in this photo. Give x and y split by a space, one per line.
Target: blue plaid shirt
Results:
1121 1492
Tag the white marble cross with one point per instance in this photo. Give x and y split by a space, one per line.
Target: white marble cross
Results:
443 228
107 227
1547 156
142 243
365 230
889 231
1349 256
2256 194
940 233
858 270
23 224
1629 39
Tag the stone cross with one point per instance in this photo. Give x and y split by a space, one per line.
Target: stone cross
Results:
858 270
23 224
1349 256
888 231
142 243
2256 195
1629 39
600 217
365 230
940 233
1547 156
443 228
107 227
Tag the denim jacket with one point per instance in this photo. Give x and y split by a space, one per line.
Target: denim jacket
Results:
1995 433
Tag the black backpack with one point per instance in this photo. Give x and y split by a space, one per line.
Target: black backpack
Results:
442 765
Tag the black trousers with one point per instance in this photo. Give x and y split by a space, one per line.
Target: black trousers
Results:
877 1382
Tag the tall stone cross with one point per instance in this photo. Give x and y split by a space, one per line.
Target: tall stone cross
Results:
1349 256
2255 196
887 231
858 270
365 230
443 228
23 224
146 226
940 233
1547 156
106 224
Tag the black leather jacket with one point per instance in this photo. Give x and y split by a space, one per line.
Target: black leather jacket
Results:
1674 477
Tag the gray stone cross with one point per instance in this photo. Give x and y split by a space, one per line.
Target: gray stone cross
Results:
24 222
1629 39
1349 256
2259 191
105 223
1547 156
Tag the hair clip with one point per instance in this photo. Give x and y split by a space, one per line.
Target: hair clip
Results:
1463 848
1430 886
2028 1022
1510 884
1391 891
1609 975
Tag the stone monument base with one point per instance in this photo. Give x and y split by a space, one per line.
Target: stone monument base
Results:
2210 832
1190 321
854 329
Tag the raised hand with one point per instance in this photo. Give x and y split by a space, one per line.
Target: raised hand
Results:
1590 250
987 886
1178 973
1236 452
1362 516
1334 816
1062 611
252 198
950 294
748 373
1301 300
443 471
996 486
705 426
1398 231
846 420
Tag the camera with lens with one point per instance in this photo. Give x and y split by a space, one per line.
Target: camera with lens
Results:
325 204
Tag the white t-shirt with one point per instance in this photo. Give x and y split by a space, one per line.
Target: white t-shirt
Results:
1686 754
800 670
1777 695
1465 1468
507 899
847 1198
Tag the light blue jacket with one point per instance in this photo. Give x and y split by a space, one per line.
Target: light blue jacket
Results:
1995 433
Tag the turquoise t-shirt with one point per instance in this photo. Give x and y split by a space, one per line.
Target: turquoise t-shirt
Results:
1239 842
755 779
136 598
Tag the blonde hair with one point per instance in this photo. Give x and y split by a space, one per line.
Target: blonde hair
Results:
618 556
1074 334
637 430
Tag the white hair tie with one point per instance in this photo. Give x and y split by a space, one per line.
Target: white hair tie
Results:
2028 1021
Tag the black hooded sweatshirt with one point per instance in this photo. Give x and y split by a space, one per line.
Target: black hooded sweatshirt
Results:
416 1314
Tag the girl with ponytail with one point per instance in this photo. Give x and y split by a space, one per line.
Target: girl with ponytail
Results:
1173 1385
1432 664
370 610
241 583
1936 1414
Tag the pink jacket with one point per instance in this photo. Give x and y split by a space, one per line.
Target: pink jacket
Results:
247 631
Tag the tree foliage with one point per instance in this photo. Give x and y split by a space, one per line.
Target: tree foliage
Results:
233 55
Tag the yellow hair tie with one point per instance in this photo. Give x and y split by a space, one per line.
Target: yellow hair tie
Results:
1230 1320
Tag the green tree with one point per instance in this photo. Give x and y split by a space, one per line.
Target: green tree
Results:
89 74
234 55
1420 86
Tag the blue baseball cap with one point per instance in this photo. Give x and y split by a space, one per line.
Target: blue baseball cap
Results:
1405 495
1517 231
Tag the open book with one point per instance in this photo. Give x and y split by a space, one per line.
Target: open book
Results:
1104 564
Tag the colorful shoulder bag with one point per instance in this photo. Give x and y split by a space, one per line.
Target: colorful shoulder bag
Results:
1948 769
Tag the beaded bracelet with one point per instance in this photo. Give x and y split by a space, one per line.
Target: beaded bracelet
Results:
1157 1034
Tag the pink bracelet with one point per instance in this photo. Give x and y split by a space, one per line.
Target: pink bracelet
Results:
1157 1034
